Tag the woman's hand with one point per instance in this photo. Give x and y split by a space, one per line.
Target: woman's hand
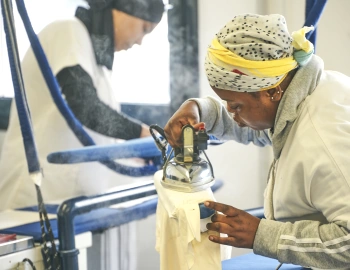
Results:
239 226
145 131
188 113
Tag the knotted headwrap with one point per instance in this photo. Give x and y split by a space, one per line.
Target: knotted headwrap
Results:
255 53
148 10
99 22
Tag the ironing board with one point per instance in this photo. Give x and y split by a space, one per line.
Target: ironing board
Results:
89 222
95 219
255 262
88 214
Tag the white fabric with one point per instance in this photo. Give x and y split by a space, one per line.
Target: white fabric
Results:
66 43
182 241
37 178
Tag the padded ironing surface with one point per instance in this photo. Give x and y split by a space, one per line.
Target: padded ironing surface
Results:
255 262
94 220
141 147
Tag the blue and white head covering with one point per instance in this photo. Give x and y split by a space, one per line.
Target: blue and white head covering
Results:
99 22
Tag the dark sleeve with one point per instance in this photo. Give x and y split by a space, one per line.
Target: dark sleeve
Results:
81 96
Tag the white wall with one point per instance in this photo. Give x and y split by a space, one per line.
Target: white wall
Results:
333 32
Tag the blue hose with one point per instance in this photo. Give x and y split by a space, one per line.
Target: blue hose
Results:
19 91
313 12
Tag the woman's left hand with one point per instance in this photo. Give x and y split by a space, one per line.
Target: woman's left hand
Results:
239 226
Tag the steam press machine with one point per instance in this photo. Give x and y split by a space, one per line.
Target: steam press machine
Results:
186 171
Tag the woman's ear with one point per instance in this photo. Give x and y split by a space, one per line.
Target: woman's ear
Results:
275 94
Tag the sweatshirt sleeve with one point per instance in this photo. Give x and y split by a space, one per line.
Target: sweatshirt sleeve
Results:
306 243
219 122
81 96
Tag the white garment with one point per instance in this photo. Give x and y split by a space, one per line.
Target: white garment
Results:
182 241
66 43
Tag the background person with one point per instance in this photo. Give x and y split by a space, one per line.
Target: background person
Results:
80 51
276 92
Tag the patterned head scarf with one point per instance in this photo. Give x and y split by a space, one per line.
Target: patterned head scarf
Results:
255 52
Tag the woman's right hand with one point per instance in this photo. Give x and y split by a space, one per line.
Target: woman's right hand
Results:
188 113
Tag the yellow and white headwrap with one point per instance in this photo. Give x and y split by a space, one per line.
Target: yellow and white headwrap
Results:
255 52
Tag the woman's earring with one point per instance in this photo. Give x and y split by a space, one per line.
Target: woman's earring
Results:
278 92
271 97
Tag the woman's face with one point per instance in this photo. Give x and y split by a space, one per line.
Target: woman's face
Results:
257 111
129 30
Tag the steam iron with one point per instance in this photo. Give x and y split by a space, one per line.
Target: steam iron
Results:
186 171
